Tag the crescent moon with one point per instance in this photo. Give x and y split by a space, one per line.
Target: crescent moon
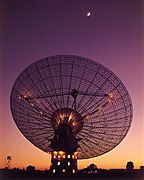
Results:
88 14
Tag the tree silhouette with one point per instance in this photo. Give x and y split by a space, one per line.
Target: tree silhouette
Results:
129 167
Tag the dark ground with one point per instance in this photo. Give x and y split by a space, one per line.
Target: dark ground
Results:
22 175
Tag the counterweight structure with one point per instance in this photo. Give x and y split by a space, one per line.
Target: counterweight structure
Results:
71 107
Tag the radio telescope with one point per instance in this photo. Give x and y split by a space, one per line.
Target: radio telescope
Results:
71 107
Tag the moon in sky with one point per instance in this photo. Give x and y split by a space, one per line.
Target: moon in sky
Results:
88 14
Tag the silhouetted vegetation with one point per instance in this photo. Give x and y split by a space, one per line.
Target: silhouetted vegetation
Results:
90 172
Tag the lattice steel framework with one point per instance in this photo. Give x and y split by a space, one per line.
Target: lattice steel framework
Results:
91 99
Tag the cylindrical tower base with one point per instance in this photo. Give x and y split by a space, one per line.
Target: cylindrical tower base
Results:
63 162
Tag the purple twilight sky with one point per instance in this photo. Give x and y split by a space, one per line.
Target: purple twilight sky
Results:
112 35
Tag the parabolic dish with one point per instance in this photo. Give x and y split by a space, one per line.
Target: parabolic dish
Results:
101 113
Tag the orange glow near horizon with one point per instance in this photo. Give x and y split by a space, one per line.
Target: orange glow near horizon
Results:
112 36
24 154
